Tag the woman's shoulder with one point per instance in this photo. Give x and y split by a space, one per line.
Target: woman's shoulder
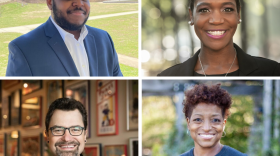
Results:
229 151
267 66
189 153
171 71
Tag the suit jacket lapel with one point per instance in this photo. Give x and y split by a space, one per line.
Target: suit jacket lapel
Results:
187 68
91 50
59 47
247 63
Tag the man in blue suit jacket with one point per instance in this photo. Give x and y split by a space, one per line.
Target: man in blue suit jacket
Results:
44 52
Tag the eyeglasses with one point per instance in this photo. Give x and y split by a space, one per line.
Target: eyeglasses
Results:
60 131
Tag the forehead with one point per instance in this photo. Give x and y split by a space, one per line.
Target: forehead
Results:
66 118
206 109
197 2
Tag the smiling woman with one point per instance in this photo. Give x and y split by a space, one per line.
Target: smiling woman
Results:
206 109
215 23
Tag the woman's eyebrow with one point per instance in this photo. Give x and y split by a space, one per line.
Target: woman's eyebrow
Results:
209 4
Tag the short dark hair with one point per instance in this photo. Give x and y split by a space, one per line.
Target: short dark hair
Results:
207 94
238 5
66 104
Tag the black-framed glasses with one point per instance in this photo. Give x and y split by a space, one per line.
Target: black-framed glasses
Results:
60 131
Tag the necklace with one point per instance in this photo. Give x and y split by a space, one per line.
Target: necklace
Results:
227 71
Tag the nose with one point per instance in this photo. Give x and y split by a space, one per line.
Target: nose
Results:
206 125
78 3
216 18
67 136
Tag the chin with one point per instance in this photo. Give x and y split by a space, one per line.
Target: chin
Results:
216 45
207 144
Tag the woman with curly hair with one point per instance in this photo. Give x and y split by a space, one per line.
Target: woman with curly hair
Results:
206 109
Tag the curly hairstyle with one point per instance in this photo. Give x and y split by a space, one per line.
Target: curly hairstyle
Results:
66 104
238 5
207 94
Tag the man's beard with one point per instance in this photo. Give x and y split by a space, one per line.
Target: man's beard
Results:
67 153
63 23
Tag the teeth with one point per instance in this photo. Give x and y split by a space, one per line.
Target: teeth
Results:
216 32
206 136
67 146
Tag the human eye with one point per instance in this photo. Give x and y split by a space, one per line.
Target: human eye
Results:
197 120
216 120
58 129
228 9
76 129
203 10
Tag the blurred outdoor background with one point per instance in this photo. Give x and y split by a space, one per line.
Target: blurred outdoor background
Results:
252 128
118 17
167 38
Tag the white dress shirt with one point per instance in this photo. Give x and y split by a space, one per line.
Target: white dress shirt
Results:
76 48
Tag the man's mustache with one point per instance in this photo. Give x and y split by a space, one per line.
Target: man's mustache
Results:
76 9
67 143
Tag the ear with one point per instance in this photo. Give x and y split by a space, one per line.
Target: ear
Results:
224 123
191 14
86 133
238 14
47 135
49 3
188 121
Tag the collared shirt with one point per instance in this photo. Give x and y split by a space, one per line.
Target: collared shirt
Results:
76 48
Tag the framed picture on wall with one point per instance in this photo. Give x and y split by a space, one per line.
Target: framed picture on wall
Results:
30 86
80 92
107 107
55 91
2 144
132 105
93 150
31 116
115 150
133 147
5 112
30 146
15 108
9 83
13 143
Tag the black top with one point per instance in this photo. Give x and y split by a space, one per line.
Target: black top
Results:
235 73
226 151
248 66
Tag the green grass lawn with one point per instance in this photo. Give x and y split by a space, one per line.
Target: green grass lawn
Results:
128 71
123 30
5 39
14 14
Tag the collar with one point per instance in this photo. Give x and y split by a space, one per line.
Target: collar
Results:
247 63
64 33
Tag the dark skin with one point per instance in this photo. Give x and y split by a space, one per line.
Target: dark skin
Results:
217 53
206 119
74 17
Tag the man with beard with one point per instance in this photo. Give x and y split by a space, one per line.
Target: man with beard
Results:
66 127
64 46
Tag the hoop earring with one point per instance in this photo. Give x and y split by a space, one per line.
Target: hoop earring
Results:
224 134
188 132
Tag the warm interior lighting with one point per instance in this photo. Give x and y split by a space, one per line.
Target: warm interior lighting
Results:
25 85
14 134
